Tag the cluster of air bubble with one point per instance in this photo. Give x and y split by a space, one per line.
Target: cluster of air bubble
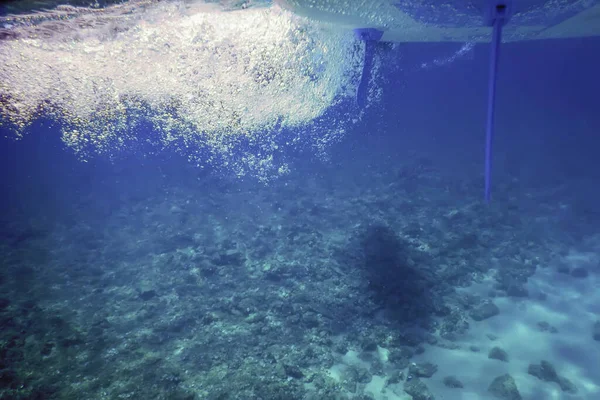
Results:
203 78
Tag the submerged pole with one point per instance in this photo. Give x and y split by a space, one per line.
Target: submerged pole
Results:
370 36
498 16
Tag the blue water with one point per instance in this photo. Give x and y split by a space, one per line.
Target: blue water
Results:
147 278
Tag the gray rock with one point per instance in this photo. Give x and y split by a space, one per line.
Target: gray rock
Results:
596 331
484 311
4 303
497 353
453 382
293 371
369 345
546 372
400 358
422 370
394 377
418 390
516 290
505 388
546 327
566 385
579 272
563 269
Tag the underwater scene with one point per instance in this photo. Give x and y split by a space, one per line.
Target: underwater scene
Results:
300 200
